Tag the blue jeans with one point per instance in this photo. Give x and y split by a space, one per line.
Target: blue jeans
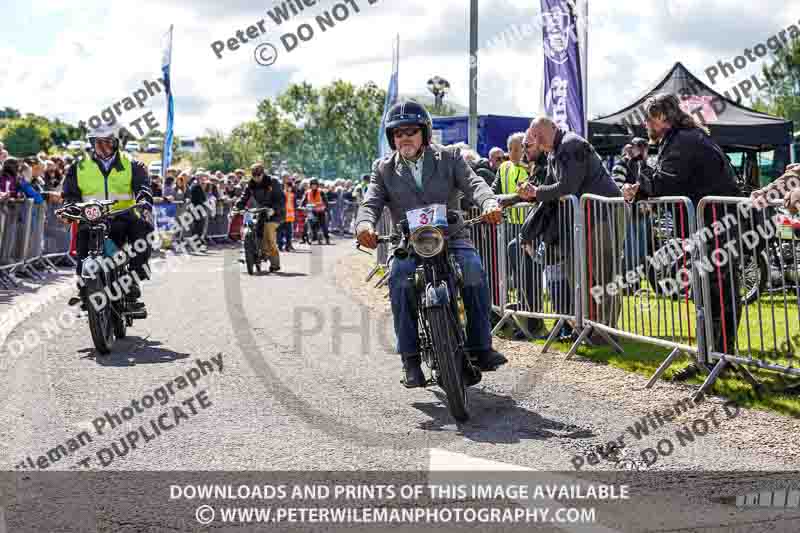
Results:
475 294
637 242
285 234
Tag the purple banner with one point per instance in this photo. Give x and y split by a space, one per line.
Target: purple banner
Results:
563 83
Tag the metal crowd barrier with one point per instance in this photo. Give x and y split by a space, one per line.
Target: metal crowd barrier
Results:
641 282
216 228
384 226
56 237
540 280
22 242
484 237
749 262
348 217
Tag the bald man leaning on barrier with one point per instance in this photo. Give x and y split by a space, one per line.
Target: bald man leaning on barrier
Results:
573 167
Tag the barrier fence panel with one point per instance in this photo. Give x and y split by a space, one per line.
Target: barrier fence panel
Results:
56 235
750 268
348 217
538 280
217 222
9 246
34 257
25 237
7 220
485 238
384 227
641 282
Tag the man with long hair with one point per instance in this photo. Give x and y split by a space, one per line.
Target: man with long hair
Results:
691 164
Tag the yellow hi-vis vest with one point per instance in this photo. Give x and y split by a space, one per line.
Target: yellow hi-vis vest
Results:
118 186
511 176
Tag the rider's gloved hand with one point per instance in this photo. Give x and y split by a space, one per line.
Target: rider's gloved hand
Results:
366 236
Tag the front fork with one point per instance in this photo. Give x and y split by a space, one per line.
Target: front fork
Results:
432 292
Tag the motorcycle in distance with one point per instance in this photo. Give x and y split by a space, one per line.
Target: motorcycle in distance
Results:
251 241
311 227
438 282
102 275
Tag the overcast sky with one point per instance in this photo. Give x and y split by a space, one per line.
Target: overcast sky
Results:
60 60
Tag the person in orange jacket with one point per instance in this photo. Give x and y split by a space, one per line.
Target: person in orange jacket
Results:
286 228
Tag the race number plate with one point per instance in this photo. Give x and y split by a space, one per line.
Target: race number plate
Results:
431 215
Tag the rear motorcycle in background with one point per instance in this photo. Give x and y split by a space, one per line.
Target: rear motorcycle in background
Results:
252 235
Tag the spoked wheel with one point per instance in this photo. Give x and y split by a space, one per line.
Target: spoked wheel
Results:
120 327
450 359
101 327
250 255
753 278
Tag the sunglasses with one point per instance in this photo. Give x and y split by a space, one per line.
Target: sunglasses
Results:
405 132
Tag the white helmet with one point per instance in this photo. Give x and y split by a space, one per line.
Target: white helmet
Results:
104 131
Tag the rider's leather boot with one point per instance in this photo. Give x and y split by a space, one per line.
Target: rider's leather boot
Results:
412 371
489 360
133 295
472 374
79 298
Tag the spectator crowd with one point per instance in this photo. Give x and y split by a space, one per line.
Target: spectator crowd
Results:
544 163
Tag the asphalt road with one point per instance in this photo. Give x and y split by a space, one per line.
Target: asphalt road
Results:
309 382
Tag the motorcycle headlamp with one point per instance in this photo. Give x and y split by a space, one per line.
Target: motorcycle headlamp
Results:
92 212
427 241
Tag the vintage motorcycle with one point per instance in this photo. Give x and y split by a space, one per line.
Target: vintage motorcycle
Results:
251 241
779 261
311 227
438 282
105 274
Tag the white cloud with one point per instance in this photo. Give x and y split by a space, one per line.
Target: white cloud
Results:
82 72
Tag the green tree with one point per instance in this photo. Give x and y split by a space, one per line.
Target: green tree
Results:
783 94
330 132
327 132
26 136
9 113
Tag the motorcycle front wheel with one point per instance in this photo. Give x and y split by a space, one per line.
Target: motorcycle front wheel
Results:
451 360
250 254
120 327
101 327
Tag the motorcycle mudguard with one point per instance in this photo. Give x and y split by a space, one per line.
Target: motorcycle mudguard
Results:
436 296
92 274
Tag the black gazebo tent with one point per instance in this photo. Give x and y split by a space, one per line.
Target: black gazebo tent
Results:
733 127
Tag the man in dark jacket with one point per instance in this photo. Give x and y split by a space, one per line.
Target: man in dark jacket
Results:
266 192
198 199
419 173
690 164
573 167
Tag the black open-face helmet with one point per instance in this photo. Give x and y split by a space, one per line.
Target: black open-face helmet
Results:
408 113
